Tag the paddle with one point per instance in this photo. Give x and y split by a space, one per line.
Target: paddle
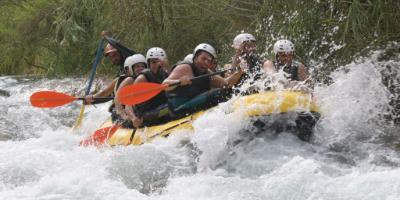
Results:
50 99
141 92
100 136
99 54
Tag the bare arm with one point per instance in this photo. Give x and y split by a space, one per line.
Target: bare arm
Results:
182 73
303 73
268 67
124 83
136 121
108 90
140 79
219 82
118 106
103 93
228 66
127 112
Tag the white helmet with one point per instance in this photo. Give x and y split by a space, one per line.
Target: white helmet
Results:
205 47
285 46
156 52
243 37
135 59
188 58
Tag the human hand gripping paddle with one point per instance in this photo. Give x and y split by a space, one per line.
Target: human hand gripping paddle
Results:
141 92
50 99
131 95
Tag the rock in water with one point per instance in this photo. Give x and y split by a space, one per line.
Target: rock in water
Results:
4 93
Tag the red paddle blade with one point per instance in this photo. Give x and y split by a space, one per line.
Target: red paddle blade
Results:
139 92
49 99
100 136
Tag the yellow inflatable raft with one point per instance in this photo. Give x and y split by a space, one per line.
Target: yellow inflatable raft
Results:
255 105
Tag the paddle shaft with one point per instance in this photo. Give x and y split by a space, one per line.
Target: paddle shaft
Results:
141 92
203 76
99 53
97 98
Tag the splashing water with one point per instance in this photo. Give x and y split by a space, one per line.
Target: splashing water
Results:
348 159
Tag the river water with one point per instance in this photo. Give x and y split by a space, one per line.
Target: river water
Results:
354 154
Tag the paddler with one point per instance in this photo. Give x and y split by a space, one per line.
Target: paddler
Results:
191 96
117 54
284 60
156 109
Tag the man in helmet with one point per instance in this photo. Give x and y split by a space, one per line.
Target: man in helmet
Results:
284 60
246 56
193 95
117 53
248 59
133 65
154 110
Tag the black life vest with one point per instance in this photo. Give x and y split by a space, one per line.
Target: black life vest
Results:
254 72
291 70
197 87
154 78
156 101
120 79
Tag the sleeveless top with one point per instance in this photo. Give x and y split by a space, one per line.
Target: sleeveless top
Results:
291 70
197 87
156 101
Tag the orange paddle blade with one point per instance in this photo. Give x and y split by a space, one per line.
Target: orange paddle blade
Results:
49 99
139 92
100 136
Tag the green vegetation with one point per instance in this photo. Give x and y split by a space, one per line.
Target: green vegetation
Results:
59 37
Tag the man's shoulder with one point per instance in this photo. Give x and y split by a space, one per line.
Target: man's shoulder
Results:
183 67
141 78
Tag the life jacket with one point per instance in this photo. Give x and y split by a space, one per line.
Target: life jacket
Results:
111 109
291 70
156 101
114 116
118 83
254 72
197 87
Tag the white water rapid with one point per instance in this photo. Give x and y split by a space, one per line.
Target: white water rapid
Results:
353 154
